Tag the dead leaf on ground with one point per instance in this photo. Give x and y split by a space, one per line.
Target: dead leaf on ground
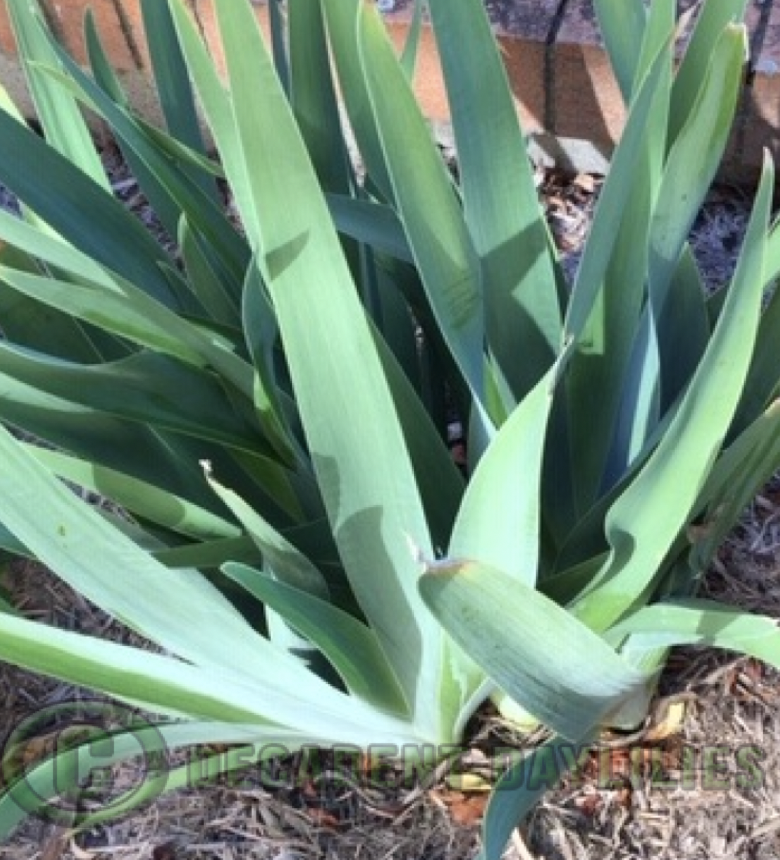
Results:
672 718
585 181
80 853
323 818
465 809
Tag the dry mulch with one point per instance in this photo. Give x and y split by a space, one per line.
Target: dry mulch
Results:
730 713
658 803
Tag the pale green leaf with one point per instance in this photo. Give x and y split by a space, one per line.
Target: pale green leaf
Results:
426 203
647 518
346 642
536 651
498 521
139 497
527 777
711 20
500 200
699 622
622 25
367 483
63 125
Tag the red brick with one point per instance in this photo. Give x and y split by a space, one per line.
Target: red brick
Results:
760 122
521 29
564 86
116 35
584 100
7 43
205 16
524 61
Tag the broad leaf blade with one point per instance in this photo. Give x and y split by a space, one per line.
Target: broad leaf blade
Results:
412 43
613 201
75 542
347 643
313 97
520 788
747 463
537 652
166 686
763 382
146 387
340 17
710 23
426 203
82 211
170 174
500 200
57 110
138 497
639 529
606 352
289 564
80 546
622 25
171 78
700 622
688 173
498 521
368 486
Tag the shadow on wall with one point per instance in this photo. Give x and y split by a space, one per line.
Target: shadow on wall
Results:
576 102
561 75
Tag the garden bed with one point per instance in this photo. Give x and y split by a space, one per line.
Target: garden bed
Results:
714 733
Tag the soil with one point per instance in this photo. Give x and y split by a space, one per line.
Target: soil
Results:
701 780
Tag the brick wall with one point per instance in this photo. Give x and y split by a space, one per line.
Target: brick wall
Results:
560 76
